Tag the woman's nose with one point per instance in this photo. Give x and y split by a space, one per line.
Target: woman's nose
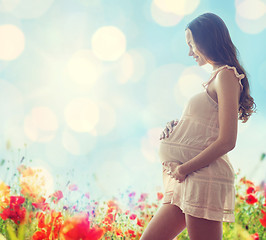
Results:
190 53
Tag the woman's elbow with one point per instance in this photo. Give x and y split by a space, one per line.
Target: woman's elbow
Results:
227 145
230 146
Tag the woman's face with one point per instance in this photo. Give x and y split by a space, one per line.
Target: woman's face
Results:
193 51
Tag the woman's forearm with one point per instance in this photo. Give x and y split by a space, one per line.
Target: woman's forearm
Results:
207 156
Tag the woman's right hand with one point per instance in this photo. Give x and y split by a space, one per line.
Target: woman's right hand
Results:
168 129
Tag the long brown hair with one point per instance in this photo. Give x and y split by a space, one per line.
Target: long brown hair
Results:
213 40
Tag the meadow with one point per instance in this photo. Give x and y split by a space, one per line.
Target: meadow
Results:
26 212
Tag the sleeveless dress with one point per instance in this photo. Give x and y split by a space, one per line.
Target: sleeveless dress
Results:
208 192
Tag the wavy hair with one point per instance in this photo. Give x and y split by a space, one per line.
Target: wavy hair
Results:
213 40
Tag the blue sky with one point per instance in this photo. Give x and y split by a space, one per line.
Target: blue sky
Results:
88 86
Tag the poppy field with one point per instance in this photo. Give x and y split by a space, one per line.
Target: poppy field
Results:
27 213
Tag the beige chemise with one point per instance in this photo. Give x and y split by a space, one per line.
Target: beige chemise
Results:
208 192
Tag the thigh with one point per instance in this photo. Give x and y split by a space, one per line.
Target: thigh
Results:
167 223
203 229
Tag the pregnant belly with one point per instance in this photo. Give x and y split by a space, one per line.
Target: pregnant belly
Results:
176 153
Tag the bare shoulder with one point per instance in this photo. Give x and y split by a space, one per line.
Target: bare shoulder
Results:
226 78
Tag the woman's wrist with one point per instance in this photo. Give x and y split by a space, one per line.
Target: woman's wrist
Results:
182 169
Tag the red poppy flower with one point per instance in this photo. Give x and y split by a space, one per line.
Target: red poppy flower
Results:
56 196
159 196
110 218
55 224
15 214
113 206
41 219
15 211
131 233
39 235
78 227
251 190
119 232
16 200
140 222
133 216
40 204
51 228
255 236
251 199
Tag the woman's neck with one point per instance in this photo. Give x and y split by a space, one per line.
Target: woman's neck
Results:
215 67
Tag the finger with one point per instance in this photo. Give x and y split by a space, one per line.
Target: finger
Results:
166 133
177 179
161 136
170 126
166 164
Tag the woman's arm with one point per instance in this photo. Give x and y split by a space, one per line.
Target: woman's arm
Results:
228 93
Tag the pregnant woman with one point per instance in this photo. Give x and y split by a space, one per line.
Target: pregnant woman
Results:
197 174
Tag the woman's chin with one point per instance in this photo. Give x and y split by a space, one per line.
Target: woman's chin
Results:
201 63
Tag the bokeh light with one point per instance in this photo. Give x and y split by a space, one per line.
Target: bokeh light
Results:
180 7
189 83
166 19
108 43
38 182
250 9
84 68
12 42
126 67
41 124
133 65
82 114
251 15
170 12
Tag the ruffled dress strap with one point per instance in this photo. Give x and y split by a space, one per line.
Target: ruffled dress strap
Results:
215 72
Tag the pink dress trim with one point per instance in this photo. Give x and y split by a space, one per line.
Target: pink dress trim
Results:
215 72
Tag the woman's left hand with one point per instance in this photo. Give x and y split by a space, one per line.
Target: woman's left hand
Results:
174 171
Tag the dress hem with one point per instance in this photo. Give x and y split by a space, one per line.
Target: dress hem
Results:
186 209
